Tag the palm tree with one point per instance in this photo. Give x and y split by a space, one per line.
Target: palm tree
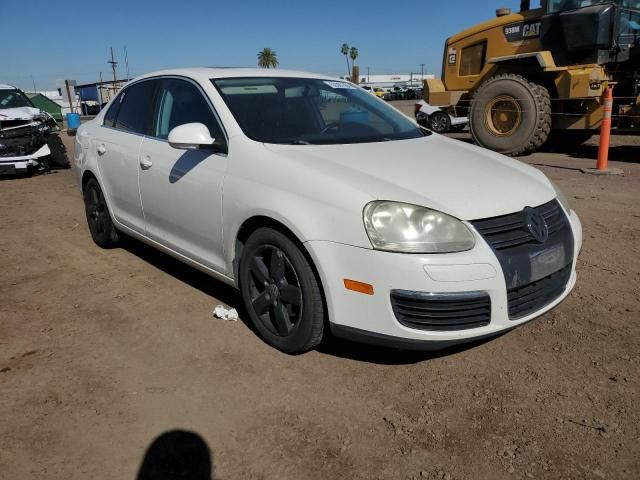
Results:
353 53
344 50
268 58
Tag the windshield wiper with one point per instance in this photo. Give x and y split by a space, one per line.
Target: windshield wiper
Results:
299 142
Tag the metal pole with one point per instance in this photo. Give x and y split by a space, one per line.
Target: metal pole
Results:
66 84
100 91
422 72
114 64
34 84
126 62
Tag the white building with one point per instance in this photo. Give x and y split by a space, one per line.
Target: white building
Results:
390 80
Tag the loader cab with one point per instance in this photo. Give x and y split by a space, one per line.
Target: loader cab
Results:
590 31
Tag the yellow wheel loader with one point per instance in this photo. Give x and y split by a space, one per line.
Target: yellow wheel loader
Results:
538 75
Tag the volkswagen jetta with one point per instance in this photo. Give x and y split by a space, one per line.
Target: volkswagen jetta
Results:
327 208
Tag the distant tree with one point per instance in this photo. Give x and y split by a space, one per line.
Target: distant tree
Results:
344 50
353 53
268 58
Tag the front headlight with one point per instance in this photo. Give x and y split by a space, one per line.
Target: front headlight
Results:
402 227
562 198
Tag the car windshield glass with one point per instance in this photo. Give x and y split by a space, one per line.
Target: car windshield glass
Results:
562 5
304 111
13 99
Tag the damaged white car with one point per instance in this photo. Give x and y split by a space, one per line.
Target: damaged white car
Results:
26 143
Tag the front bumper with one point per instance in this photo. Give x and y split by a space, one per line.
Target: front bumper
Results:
22 164
371 317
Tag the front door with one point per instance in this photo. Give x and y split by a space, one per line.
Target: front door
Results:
181 190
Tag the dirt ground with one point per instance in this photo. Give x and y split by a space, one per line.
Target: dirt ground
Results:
102 351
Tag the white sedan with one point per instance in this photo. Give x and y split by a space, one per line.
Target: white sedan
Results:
327 208
437 119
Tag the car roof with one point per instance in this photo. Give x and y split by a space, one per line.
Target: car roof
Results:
206 73
4 86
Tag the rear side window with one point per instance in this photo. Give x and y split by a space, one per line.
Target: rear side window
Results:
134 112
112 113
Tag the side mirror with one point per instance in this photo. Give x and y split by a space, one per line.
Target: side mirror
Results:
191 136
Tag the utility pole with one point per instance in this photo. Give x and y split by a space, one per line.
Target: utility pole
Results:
114 64
368 79
422 72
66 84
34 84
100 91
126 62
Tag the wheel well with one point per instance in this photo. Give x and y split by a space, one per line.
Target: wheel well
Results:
86 176
530 69
254 223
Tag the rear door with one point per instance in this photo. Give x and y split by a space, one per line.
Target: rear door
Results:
181 190
117 144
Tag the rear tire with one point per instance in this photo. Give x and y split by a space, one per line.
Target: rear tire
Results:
281 293
101 227
510 115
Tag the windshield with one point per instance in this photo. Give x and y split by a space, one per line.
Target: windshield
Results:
13 99
562 5
303 111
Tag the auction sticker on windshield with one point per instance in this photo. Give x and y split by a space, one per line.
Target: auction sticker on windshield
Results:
340 85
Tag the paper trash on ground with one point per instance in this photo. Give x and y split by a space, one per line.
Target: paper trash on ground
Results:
229 314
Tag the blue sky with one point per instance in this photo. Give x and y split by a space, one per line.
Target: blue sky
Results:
43 41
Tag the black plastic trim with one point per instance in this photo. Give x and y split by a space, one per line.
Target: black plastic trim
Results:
441 311
378 339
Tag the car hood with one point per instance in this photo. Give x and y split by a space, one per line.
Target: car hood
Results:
19 113
453 177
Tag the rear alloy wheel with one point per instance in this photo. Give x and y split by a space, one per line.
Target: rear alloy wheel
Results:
510 115
280 292
98 218
440 122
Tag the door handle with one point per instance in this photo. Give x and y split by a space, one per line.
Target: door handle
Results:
101 149
145 162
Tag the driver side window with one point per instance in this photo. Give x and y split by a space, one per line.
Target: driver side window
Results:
181 102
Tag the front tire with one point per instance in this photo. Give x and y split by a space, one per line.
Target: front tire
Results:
281 293
101 227
510 115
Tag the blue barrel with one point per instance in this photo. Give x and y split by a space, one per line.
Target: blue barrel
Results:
73 121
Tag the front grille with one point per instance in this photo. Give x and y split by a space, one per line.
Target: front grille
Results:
510 231
529 298
444 312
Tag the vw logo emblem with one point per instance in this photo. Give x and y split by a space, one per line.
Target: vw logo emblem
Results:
536 224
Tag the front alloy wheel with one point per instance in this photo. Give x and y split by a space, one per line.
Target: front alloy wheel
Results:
280 292
276 296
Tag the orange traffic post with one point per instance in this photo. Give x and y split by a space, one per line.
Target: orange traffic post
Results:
605 131
602 166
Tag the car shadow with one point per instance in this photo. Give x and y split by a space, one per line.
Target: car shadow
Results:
230 296
189 160
195 278
620 153
362 352
177 455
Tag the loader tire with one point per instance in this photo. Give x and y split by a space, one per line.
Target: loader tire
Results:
510 115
